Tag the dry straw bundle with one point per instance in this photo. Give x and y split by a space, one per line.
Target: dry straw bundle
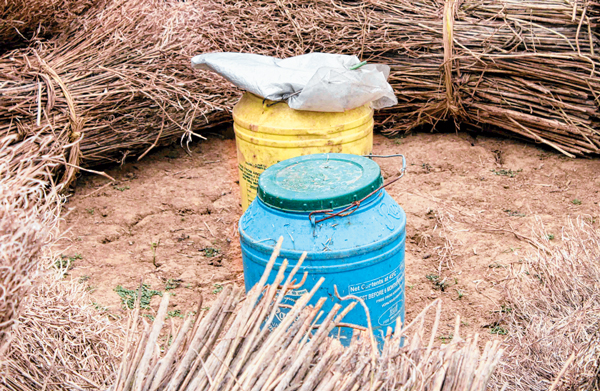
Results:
62 342
115 86
227 349
554 316
523 68
22 21
50 336
119 82
29 212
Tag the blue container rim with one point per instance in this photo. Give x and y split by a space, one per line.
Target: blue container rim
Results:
325 255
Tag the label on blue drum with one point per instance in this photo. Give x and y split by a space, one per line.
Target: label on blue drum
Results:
383 292
289 300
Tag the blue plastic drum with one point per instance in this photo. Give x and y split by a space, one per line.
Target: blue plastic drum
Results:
362 253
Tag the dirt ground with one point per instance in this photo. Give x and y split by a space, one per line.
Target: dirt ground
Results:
171 219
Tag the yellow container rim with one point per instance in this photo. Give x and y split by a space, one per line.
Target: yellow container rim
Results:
245 135
295 122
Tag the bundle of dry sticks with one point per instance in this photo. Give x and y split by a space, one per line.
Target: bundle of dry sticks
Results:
22 21
521 68
29 217
118 83
231 347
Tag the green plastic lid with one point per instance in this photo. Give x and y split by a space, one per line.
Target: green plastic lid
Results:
317 182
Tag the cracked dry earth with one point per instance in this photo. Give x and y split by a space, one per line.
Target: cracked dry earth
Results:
171 219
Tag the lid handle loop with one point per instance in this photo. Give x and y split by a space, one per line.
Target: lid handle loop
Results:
356 204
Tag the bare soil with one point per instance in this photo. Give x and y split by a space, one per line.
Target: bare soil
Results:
471 204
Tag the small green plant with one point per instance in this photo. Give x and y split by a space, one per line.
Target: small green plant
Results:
432 277
437 283
496 265
505 309
499 330
149 316
461 294
576 202
90 289
153 247
75 257
65 262
550 236
83 279
90 211
172 284
210 252
509 173
540 277
174 314
99 307
129 296
447 337
398 141
121 188
169 341
426 166
204 308
514 213
218 288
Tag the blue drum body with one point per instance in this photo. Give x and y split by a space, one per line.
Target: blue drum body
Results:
362 254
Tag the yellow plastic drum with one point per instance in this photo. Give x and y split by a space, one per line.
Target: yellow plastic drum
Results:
268 132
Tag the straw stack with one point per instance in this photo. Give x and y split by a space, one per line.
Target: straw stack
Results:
227 349
62 342
527 69
51 337
22 21
114 87
553 314
29 210
119 83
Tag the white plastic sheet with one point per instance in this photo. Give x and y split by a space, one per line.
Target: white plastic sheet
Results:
314 82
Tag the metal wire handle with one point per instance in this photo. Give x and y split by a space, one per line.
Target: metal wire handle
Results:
356 204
